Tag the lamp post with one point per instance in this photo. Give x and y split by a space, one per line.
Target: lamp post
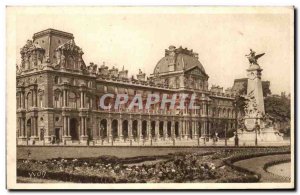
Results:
225 132
257 127
236 139
207 117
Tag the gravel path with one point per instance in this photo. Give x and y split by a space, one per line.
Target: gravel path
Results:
257 164
282 169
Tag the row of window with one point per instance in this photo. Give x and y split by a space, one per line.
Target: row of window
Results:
58 80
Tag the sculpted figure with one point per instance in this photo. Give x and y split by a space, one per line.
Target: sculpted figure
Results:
253 58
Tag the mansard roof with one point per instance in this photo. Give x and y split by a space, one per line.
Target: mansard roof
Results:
181 58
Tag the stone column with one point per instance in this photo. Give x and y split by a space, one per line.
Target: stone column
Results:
85 126
205 128
81 126
21 99
130 129
81 99
196 130
193 129
188 132
120 128
36 126
165 129
157 129
173 129
35 97
149 129
68 132
183 128
19 127
22 126
109 130
140 136
209 127
32 127
180 129
32 100
65 126
67 98
64 98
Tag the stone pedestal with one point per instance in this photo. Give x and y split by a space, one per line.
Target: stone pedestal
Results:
263 137
83 140
33 140
257 129
66 138
47 139
22 140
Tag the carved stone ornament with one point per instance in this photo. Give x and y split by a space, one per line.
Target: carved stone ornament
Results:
250 108
31 55
20 83
69 56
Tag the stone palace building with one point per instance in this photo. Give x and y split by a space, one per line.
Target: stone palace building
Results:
58 96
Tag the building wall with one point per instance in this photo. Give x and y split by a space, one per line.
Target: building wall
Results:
59 104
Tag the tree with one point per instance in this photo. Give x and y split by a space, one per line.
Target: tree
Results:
243 91
280 111
278 107
266 88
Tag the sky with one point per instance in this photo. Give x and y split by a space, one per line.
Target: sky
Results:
137 39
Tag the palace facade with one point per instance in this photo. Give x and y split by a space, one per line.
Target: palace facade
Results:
58 96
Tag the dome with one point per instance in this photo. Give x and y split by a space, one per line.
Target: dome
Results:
177 60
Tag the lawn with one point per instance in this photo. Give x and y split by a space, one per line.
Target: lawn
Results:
138 165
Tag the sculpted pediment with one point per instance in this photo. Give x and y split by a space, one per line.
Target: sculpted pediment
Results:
195 71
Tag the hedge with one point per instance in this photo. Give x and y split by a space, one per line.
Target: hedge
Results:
253 177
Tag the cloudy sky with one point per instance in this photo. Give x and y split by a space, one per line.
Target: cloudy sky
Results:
137 38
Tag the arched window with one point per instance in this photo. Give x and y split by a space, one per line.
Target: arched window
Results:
72 100
224 112
88 101
177 82
90 84
41 100
18 100
56 80
57 99
29 100
70 62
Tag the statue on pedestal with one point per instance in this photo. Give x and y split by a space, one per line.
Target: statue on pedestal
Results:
253 58
256 126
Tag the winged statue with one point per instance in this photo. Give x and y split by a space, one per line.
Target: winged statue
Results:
252 57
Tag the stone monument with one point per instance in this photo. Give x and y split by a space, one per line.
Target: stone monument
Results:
258 127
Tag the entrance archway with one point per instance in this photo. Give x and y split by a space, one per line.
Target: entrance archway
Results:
190 130
114 128
161 129
169 128
144 129
74 129
199 129
57 133
176 129
153 128
125 129
28 127
103 128
134 129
